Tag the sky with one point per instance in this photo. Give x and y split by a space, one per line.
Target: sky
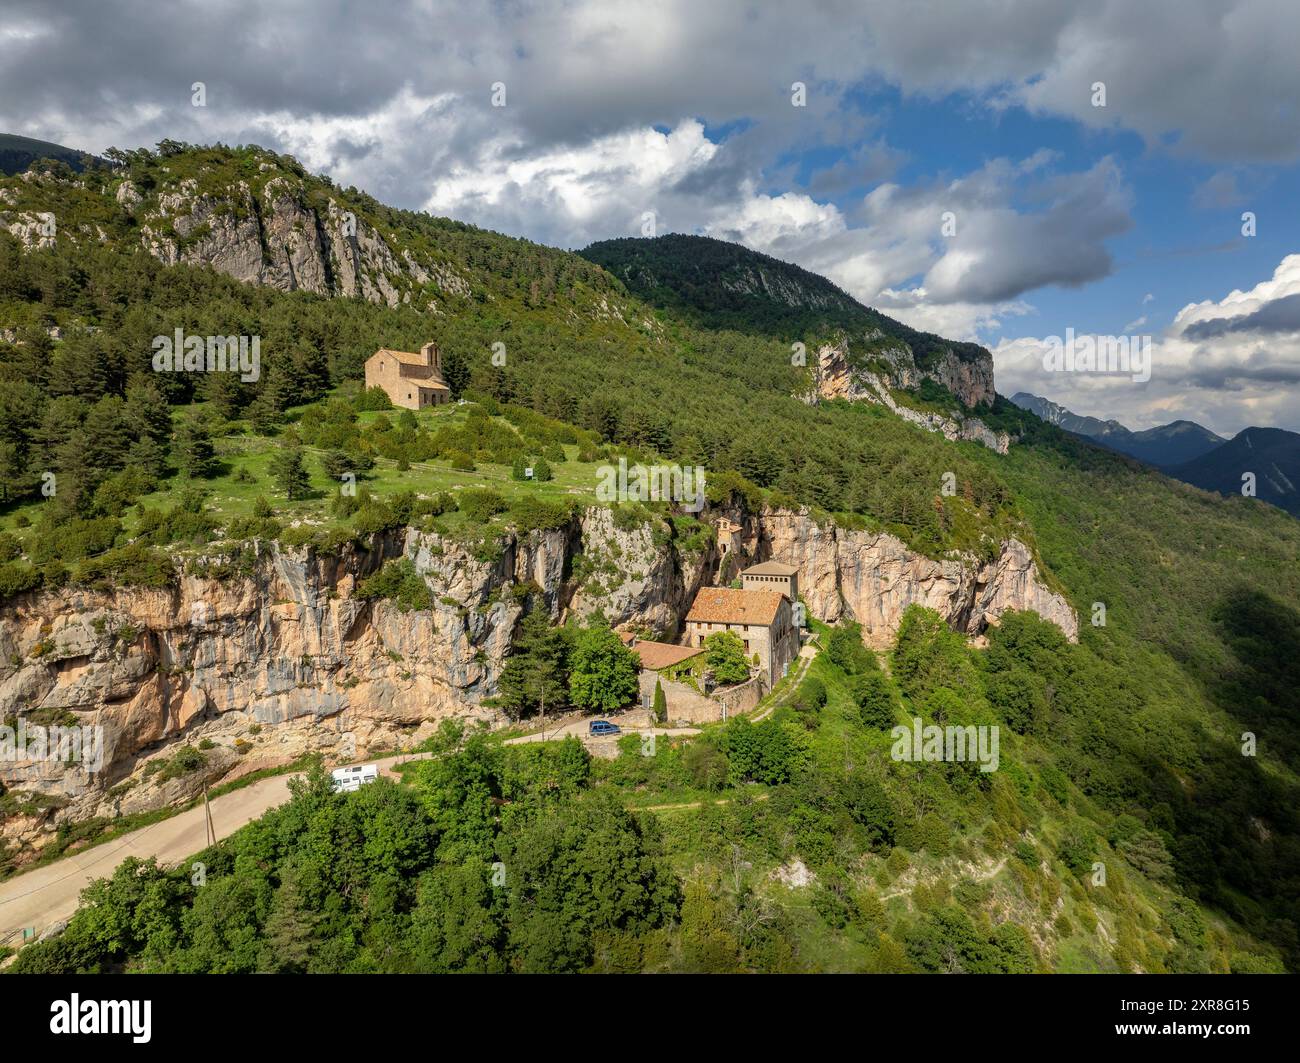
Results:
1003 171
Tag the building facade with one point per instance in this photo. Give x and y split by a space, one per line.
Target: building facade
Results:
411 381
761 619
772 576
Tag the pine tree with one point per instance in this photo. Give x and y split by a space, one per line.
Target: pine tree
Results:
289 473
537 672
194 450
455 370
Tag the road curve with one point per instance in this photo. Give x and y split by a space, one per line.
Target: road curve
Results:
48 894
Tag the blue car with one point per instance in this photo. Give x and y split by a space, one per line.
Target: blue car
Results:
604 727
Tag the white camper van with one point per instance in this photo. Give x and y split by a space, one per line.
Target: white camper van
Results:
348 779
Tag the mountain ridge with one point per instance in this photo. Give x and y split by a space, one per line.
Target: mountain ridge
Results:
1164 445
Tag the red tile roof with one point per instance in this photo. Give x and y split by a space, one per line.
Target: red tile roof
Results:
658 655
724 605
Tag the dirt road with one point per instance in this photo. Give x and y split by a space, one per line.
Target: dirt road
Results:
49 894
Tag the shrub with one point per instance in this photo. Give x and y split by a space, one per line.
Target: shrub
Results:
706 765
724 655
15 579
481 504
375 398
845 650
877 705
11 547
399 582
73 539
812 694
135 564
536 514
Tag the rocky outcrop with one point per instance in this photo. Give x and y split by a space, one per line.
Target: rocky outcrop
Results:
256 670
34 231
872 577
274 236
890 368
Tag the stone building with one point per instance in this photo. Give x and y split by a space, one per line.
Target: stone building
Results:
412 381
761 618
772 576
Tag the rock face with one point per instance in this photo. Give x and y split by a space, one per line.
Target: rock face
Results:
275 236
257 670
873 577
892 367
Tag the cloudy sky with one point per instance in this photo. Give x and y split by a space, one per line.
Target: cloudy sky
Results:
950 163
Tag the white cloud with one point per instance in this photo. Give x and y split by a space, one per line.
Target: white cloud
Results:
1228 364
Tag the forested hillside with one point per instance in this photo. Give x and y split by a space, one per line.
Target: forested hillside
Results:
794 843
1264 460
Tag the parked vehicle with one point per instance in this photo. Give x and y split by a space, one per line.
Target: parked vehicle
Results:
348 779
604 727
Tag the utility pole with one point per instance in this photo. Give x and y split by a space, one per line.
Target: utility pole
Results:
207 813
542 697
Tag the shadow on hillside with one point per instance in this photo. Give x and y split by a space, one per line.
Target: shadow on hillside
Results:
1240 822
1262 688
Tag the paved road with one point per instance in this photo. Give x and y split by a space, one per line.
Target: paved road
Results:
49 894
579 729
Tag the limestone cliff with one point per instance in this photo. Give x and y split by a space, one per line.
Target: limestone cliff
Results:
275 235
841 375
255 670
872 577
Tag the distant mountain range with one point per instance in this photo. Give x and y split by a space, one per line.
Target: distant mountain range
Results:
1191 453
1164 445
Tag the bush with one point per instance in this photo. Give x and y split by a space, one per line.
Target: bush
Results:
399 582
706 765
73 540
136 565
15 579
877 705
375 398
481 504
724 655
11 547
845 650
536 514
811 694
